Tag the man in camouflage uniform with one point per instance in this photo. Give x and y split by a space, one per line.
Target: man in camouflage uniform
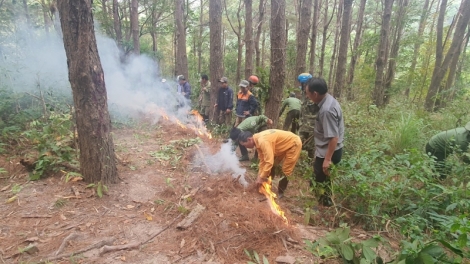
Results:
308 114
205 97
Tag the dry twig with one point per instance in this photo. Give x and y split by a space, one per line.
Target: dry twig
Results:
64 243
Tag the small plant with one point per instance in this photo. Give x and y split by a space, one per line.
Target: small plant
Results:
254 258
168 182
16 188
2 170
159 201
99 188
338 242
71 175
60 203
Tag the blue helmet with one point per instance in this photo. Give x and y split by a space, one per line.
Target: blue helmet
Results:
304 77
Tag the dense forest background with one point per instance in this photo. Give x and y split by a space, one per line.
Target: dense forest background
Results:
400 69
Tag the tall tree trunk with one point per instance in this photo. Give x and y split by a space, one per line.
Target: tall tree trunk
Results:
379 90
326 24
259 29
331 72
458 71
199 40
392 63
441 66
181 54
355 50
105 23
278 58
45 12
26 12
238 33
126 15
417 45
313 41
135 26
343 48
216 58
248 38
117 23
97 157
302 34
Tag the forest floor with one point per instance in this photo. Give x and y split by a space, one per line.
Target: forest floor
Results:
54 221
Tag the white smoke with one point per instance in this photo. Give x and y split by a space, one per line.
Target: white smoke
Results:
31 60
224 161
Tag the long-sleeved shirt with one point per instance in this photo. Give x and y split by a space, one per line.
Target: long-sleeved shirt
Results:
291 102
186 89
246 102
253 123
225 99
271 144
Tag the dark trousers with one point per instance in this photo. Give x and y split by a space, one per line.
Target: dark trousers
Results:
243 150
321 177
292 118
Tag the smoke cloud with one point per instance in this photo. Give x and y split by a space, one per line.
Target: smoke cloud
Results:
31 60
224 161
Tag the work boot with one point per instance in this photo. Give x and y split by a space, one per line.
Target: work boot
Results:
244 158
282 186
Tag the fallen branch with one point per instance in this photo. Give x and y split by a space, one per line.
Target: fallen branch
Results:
104 242
66 240
185 223
203 159
36 216
106 249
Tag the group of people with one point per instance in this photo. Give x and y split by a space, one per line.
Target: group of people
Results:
321 121
317 119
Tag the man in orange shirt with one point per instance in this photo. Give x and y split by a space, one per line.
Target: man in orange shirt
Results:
274 146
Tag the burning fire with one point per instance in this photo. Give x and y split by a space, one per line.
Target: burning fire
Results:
197 126
265 189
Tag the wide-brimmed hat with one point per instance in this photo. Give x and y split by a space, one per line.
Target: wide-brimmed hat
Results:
467 126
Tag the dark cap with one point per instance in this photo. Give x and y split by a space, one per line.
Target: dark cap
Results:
223 80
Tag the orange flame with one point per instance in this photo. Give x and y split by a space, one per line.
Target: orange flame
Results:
199 127
265 189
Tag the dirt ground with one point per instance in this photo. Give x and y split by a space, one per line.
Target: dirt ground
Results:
53 221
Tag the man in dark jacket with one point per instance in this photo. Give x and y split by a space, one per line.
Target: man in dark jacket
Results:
185 89
246 103
224 104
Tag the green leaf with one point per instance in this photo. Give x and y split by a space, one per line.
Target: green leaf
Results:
371 242
433 250
256 256
247 253
462 240
451 248
368 253
347 251
99 190
451 207
426 258
265 260
343 234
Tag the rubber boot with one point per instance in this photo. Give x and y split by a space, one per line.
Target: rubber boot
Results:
281 188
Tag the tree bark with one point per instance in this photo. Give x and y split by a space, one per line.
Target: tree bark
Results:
333 61
355 51
302 34
379 90
441 66
201 30
313 41
417 45
259 29
400 20
97 157
238 33
343 48
181 54
278 58
135 26
248 38
117 23
216 59
326 24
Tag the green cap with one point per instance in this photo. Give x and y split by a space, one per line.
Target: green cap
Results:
467 126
